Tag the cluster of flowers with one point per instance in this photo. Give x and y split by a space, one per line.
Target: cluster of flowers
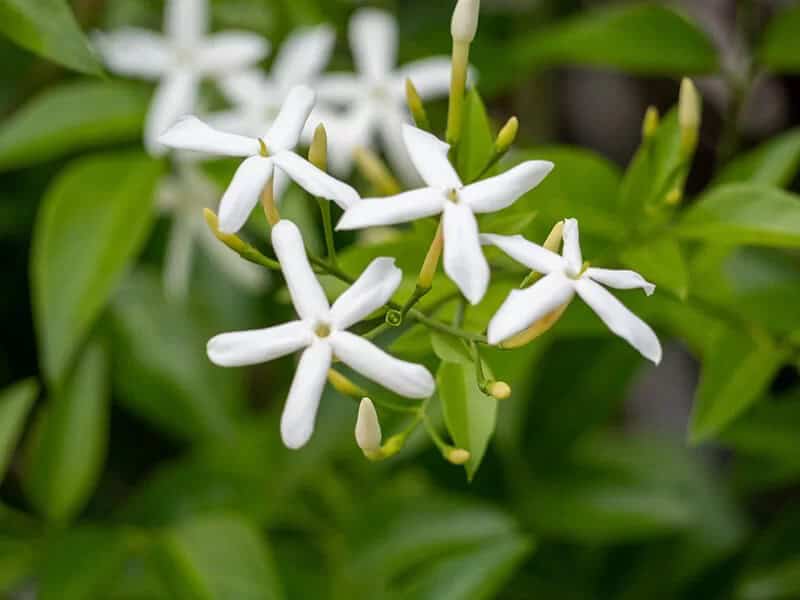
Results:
270 161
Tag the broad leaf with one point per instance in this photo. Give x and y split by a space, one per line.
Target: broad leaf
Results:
92 223
15 403
775 162
776 582
71 117
48 28
780 45
477 142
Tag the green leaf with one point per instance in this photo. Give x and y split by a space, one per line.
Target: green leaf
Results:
744 213
468 413
15 403
218 556
451 349
660 261
775 162
71 117
735 373
48 28
770 429
776 582
780 46
92 223
643 39
68 449
477 142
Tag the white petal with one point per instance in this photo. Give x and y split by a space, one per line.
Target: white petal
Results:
391 121
190 133
303 55
280 183
525 252
235 121
523 308
134 51
572 246
346 132
243 193
174 98
496 193
621 279
285 131
372 290
429 155
315 181
430 76
408 206
307 296
178 260
340 88
300 412
243 348
186 21
373 39
464 261
619 319
404 378
223 53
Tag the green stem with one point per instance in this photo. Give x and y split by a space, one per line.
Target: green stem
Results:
327 224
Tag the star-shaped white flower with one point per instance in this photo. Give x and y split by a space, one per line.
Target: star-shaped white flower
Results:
272 154
374 96
180 59
257 98
322 334
564 276
464 261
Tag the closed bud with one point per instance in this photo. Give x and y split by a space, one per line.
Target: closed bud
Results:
416 107
690 107
553 241
499 390
507 136
234 242
368 428
318 151
650 123
464 25
457 456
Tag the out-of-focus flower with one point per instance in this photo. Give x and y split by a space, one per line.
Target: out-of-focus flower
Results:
564 276
179 59
270 156
464 261
374 97
322 334
257 98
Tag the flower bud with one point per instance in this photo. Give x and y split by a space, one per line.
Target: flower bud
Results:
416 107
553 241
650 123
539 328
690 108
464 25
457 456
368 428
318 151
507 136
499 390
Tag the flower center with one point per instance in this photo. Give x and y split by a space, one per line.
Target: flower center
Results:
322 330
573 274
452 195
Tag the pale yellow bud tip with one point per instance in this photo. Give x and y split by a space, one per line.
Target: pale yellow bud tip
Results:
499 390
650 123
689 106
553 241
507 135
318 151
458 456
211 219
464 25
368 428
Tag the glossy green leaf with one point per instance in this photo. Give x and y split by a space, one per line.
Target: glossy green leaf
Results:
218 556
67 452
646 39
661 262
736 371
744 213
477 141
92 223
451 349
775 162
780 45
48 28
468 413
71 117
15 403
770 429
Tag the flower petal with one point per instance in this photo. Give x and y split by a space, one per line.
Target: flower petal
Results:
243 192
464 261
619 319
248 88
429 155
186 21
404 378
572 246
430 76
621 279
243 348
231 51
280 183
300 412
307 296
134 52
390 122
315 181
373 40
288 126
526 252
190 133
497 193
340 88
372 290
408 206
346 132
303 56
174 98
523 308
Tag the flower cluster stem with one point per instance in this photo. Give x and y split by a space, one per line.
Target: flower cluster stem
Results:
238 245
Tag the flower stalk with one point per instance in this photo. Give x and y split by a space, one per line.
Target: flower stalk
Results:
318 156
238 245
376 172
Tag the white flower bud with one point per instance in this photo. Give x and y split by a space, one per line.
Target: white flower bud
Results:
464 25
368 428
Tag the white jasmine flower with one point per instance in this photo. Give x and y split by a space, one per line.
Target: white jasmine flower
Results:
564 276
464 262
375 95
368 427
257 98
272 154
180 59
322 334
